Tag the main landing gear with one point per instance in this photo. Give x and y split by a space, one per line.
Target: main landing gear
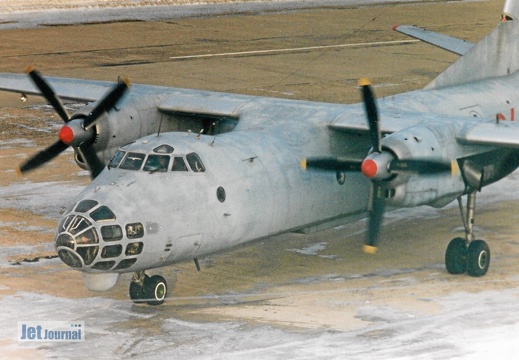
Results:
467 254
151 290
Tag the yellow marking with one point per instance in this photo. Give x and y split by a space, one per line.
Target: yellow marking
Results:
364 82
126 81
303 164
368 249
29 69
455 170
19 171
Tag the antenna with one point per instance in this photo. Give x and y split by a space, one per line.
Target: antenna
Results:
160 125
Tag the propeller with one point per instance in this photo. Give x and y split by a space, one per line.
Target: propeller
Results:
77 132
378 166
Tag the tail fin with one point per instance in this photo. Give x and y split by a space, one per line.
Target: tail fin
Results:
496 55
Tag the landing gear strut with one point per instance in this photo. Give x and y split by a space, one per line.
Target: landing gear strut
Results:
145 289
468 255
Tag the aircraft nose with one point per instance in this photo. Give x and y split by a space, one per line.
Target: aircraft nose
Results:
90 238
77 242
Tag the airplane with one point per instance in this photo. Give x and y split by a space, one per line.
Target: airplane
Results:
180 174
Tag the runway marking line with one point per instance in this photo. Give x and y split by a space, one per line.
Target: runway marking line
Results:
271 51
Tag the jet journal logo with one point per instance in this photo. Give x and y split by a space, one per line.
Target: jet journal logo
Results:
62 331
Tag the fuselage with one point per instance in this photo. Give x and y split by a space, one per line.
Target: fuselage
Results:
218 191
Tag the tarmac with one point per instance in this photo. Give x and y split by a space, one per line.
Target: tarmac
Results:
294 296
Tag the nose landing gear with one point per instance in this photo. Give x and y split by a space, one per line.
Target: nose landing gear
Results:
468 255
151 290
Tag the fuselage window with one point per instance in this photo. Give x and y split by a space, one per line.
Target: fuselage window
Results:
195 163
158 163
134 248
132 161
118 156
111 251
164 149
111 232
102 213
126 263
88 237
179 164
88 253
103 265
134 231
86 205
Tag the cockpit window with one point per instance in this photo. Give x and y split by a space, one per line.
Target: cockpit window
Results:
164 149
86 205
132 161
195 163
102 213
158 163
179 164
118 156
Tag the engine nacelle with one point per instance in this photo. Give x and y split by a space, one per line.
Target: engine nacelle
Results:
434 142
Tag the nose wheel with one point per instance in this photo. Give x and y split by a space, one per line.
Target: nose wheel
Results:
150 290
466 254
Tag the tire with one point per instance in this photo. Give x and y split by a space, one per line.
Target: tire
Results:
156 289
456 256
478 258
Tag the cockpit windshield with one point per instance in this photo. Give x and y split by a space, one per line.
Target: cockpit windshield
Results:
132 161
158 161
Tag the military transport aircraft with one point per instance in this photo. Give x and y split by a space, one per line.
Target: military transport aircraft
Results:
162 194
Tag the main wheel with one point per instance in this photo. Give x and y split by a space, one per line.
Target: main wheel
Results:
456 256
478 258
156 289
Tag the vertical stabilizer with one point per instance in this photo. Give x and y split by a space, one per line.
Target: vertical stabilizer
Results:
496 55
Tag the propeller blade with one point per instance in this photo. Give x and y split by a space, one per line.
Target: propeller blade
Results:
48 93
422 167
371 113
107 103
331 163
89 154
375 217
43 156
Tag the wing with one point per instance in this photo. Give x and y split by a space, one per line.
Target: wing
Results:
390 121
70 89
449 43
491 133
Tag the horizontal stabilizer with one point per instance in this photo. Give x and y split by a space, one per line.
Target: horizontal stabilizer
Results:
449 43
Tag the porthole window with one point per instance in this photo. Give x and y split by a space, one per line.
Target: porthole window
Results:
220 194
341 177
134 231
